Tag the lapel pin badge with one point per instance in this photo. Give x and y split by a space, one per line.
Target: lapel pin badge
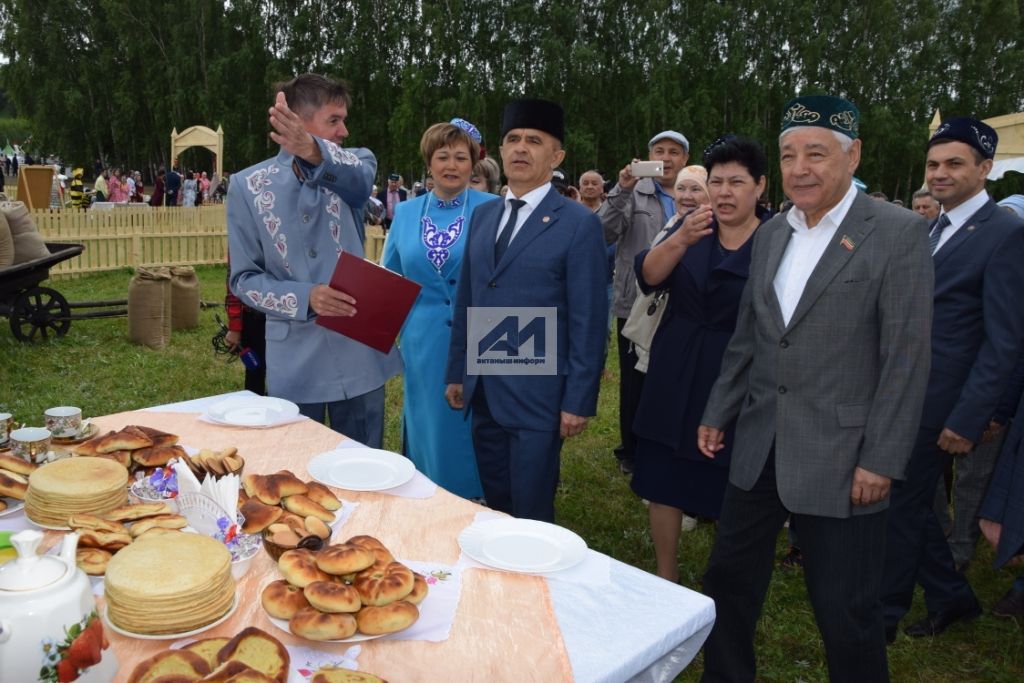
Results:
970 228
847 243
545 219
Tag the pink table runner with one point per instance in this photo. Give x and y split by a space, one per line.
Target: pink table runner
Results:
505 626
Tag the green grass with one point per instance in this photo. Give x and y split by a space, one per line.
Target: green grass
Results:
97 368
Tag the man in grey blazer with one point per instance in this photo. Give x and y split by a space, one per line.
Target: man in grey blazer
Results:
825 376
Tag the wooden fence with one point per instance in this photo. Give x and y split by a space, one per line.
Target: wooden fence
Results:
133 235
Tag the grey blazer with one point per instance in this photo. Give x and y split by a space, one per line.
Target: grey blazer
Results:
842 385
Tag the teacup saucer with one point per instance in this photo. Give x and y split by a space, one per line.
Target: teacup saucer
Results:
86 434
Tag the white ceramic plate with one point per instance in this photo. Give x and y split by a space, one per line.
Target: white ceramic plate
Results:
253 411
46 526
13 505
362 469
358 637
170 636
522 545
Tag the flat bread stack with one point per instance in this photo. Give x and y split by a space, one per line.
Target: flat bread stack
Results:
62 488
169 584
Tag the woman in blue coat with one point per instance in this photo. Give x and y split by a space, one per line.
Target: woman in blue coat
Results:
703 262
425 244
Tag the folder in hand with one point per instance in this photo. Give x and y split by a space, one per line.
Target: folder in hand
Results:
383 300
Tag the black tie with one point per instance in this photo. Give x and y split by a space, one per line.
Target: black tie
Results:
505 236
940 225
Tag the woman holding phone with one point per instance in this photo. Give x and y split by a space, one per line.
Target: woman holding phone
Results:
703 262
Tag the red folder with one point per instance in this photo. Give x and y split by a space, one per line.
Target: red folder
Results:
383 300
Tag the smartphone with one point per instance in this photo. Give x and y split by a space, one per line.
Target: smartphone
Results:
647 169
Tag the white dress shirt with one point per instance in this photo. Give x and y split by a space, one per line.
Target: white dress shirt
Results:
958 217
806 245
532 198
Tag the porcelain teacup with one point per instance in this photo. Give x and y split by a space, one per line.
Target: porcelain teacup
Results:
64 422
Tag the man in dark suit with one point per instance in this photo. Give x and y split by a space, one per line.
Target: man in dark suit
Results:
532 249
390 197
978 327
172 185
826 373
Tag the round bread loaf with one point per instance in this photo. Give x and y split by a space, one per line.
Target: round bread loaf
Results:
332 596
419 590
282 600
380 551
314 625
344 559
382 584
378 620
298 566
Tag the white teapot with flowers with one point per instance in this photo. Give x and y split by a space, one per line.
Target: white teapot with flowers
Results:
49 626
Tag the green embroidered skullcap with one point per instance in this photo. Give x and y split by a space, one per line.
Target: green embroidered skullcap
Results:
824 111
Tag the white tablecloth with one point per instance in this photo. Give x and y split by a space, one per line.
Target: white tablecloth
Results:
640 628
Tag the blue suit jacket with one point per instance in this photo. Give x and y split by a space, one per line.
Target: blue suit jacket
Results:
978 323
557 259
1004 501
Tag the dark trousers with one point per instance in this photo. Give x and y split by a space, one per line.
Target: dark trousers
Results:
518 467
172 197
254 326
360 417
631 385
916 549
842 570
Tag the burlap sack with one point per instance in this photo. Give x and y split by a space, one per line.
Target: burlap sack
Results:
28 243
184 298
149 307
6 243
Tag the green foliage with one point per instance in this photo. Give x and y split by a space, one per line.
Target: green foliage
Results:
111 78
14 130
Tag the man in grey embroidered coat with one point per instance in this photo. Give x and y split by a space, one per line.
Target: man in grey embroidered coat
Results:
289 219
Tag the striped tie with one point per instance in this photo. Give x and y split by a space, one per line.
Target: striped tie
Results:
936 233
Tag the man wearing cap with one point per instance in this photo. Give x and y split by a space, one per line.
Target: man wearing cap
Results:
976 336
635 210
389 198
825 378
532 248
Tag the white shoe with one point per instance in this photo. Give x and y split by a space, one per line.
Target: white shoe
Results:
689 523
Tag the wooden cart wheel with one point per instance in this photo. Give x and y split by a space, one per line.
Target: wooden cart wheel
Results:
40 311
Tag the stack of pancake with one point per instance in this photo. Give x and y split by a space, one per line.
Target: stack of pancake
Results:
73 486
169 584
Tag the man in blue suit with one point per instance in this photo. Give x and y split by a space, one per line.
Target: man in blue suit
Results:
977 332
534 248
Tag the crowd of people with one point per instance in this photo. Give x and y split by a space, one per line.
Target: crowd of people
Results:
822 366
115 185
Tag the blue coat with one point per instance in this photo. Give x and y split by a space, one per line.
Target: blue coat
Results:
558 260
978 322
285 237
437 438
687 350
1004 501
